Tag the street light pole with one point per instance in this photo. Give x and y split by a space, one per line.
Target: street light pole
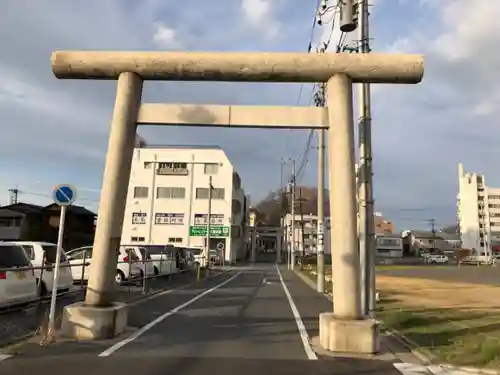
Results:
154 164
292 257
209 217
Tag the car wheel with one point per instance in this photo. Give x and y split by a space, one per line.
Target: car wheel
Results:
156 271
119 277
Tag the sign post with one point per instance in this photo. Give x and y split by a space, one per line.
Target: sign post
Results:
63 195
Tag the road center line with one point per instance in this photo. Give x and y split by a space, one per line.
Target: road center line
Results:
151 324
298 320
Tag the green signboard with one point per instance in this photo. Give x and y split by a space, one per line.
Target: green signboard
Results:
215 231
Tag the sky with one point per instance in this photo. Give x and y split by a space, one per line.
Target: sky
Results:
55 131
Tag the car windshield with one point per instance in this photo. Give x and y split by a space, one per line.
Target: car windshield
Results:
143 253
13 256
51 253
195 251
156 249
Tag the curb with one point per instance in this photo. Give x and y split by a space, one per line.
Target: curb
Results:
311 284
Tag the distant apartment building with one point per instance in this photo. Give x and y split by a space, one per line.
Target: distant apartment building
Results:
478 213
168 199
305 228
306 231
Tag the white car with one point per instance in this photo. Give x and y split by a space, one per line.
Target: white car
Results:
163 259
16 286
141 256
35 252
437 259
125 269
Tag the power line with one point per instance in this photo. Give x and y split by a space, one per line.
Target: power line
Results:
309 47
321 48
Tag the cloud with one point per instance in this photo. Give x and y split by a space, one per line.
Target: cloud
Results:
259 15
56 130
167 37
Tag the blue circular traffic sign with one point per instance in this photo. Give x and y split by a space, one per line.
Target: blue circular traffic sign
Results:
64 195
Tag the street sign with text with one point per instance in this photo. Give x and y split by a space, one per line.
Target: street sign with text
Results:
215 231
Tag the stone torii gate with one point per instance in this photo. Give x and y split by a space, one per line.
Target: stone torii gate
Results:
344 329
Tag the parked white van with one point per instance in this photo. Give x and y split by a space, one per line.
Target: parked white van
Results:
128 265
35 252
16 286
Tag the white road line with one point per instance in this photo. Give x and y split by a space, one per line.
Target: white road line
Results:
151 324
298 320
3 357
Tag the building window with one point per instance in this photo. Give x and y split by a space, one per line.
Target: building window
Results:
218 193
139 217
169 218
171 192
201 193
141 192
211 168
174 240
137 239
10 222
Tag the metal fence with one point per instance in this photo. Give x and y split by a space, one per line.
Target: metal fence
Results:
164 266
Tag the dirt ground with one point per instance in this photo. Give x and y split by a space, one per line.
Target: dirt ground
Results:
439 294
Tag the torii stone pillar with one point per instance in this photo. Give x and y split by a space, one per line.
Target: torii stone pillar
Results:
344 329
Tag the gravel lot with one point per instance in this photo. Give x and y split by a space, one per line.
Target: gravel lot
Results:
465 273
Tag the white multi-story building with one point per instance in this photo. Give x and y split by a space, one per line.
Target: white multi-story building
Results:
478 212
307 241
167 200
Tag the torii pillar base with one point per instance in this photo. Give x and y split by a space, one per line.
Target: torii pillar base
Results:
83 322
349 336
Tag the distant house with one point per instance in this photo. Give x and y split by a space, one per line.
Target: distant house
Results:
453 239
389 245
417 242
382 225
29 222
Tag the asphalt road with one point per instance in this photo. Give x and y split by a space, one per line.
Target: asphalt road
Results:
20 322
466 273
239 322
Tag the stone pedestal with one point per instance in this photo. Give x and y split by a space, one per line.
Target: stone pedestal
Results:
94 323
348 336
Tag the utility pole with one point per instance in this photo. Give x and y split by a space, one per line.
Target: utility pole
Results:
292 254
209 218
320 249
14 195
432 223
302 239
365 192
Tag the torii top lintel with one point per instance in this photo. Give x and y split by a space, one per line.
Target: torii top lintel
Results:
239 66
